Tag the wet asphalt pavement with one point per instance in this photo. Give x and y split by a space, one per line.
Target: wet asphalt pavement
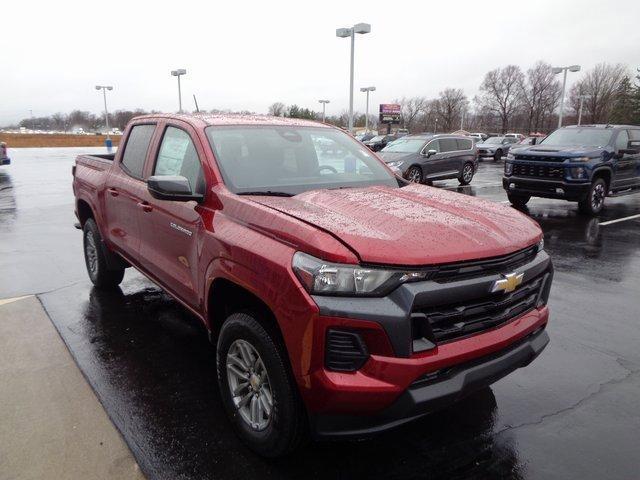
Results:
572 413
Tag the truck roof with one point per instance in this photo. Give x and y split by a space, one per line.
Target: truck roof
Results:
208 119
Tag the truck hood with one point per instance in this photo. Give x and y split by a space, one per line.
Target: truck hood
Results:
561 151
413 225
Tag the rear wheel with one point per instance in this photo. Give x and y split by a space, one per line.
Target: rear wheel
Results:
593 203
517 200
414 174
497 156
466 175
258 392
101 276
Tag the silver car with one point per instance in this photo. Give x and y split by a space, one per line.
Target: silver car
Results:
424 158
496 147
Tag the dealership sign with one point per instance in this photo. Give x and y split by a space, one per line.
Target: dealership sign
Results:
390 113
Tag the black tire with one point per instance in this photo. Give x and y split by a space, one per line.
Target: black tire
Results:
287 426
497 156
466 175
414 174
95 260
593 203
518 200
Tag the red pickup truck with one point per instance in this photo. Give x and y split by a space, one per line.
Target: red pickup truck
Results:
342 300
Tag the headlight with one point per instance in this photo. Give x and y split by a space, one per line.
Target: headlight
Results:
578 172
508 168
395 164
541 244
580 159
511 156
325 278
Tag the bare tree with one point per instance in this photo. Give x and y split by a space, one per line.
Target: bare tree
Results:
539 94
500 92
599 87
412 109
449 107
277 109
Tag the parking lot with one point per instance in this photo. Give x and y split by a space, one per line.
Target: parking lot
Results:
570 414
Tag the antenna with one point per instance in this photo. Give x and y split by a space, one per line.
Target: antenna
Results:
196 102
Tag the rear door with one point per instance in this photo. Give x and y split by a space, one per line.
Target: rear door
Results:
624 163
465 153
124 189
171 232
450 163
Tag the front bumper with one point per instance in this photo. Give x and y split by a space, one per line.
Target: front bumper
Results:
427 395
366 401
537 187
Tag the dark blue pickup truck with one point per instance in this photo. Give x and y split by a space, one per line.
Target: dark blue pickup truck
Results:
581 164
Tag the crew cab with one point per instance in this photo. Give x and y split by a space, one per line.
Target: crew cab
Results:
583 164
342 300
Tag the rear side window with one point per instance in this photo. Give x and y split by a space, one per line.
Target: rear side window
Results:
622 140
634 134
448 145
178 156
464 144
135 151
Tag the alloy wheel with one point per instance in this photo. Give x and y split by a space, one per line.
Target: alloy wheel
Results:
597 197
467 173
92 253
414 175
249 385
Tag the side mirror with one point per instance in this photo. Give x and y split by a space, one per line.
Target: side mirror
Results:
430 153
172 187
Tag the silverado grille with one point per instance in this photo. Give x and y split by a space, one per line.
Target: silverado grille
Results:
455 320
538 171
536 158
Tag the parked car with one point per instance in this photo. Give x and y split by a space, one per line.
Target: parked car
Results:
525 142
342 301
424 158
479 137
495 147
365 136
402 131
4 157
378 142
517 136
583 164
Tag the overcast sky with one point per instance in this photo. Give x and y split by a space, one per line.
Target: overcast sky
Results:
247 55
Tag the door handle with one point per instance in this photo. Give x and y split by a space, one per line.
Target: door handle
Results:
145 207
113 192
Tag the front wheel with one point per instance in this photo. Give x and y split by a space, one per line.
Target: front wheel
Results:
518 201
99 273
258 392
593 203
414 174
467 174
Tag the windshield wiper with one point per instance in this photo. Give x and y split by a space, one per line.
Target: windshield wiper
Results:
269 193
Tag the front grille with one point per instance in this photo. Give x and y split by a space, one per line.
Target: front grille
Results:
536 158
456 320
538 171
488 266
482 150
345 351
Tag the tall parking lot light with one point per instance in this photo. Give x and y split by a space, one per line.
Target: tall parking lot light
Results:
178 73
556 70
366 118
324 107
361 28
104 89
581 97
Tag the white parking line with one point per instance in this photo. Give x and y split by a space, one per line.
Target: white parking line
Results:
623 219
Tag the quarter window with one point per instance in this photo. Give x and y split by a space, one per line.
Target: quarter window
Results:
178 156
135 151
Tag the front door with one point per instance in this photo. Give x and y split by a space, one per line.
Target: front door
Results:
171 231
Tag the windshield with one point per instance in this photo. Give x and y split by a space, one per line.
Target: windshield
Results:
405 145
494 140
292 160
579 137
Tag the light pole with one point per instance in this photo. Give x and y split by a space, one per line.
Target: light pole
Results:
324 106
366 117
582 97
178 73
351 32
104 89
556 70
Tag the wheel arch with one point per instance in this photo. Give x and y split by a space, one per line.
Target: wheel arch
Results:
605 173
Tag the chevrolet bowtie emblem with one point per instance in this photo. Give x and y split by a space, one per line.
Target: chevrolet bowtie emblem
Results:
509 283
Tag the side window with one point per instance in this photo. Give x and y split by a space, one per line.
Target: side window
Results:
634 134
622 140
448 145
432 145
178 156
135 151
464 144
